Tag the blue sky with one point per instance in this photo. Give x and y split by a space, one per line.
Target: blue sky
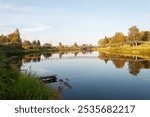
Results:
69 21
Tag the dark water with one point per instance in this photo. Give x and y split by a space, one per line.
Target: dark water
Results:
94 75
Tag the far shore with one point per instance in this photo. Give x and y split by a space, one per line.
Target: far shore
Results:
127 50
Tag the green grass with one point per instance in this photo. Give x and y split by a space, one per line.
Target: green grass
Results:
142 50
26 87
127 49
29 87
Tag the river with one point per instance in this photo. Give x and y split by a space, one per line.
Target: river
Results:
93 75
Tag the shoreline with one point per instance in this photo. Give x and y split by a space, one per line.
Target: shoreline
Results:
142 52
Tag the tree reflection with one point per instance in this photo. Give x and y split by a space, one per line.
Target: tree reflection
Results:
119 62
75 54
16 63
32 57
60 54
47 55
134 68
135 64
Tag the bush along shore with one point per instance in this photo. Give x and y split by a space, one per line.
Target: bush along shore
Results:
142 49
136 42
15 85
14 40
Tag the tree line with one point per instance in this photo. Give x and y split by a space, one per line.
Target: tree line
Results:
134 37
12 39
15 40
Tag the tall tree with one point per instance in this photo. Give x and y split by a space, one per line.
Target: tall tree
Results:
134 34
47 45
38 43
145 36
119 37
103 42
148 36
3 39
111 41
26 44
60 44
75 45
15 36
34 44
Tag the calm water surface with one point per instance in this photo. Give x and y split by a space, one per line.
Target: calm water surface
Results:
93 75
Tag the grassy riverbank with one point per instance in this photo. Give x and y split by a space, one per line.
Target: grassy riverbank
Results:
143 49
17 85
25 87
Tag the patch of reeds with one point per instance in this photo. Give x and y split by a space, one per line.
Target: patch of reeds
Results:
25 87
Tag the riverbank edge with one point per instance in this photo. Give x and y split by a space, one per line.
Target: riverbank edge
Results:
143 52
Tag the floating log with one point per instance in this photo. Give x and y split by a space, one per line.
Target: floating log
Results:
49 79
45 77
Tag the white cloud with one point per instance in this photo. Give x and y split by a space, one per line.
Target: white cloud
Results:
35 29
12 6
7 6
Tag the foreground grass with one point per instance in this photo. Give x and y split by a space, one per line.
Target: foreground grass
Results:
25 87
19 86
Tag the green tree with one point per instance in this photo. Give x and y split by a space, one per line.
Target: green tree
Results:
38 43
47 45
75 45
26 44
111 41
134 34
34 44
3 39
15 36
103 42
60 45
148 36
119 37
145 36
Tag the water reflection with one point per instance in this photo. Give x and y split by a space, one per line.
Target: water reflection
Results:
16 62
32 57
63 85
47 55
135 64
